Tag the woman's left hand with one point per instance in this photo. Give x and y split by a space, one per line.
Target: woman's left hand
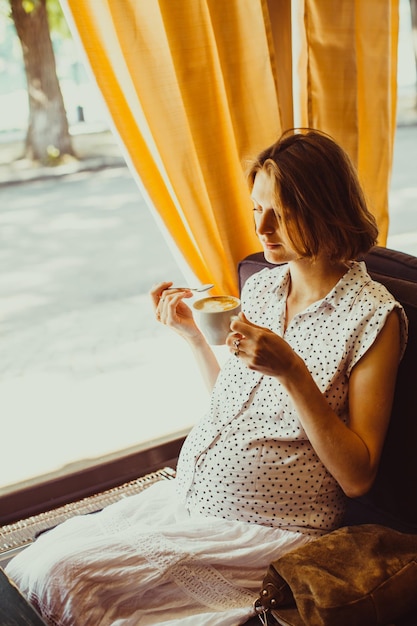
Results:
259 348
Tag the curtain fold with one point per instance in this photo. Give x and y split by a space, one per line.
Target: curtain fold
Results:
348 86
195 87
192 94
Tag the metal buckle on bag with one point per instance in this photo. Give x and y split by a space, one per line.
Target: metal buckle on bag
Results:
261 612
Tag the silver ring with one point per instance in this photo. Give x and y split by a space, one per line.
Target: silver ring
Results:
236 343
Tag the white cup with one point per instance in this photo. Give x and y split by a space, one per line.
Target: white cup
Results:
214 316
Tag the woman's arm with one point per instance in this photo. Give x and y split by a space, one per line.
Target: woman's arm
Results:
171 310
350 453
206 360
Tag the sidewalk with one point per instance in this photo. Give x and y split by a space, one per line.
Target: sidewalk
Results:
95 147
85 369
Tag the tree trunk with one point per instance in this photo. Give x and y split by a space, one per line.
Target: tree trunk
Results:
48 137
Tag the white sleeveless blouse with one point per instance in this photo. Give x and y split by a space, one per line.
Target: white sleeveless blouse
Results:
249 459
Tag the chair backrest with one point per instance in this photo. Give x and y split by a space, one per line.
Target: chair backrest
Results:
393 498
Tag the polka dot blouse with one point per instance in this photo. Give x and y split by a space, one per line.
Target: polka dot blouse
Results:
249 458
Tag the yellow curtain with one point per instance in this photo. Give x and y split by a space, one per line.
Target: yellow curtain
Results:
348 86
192 90
194 87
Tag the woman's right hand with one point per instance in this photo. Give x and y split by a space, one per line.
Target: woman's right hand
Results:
171 310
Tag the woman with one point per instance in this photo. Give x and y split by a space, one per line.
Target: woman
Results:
296 422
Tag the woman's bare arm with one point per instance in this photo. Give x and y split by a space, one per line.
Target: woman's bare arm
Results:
351 452
171 310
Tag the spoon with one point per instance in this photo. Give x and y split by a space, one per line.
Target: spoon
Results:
197 289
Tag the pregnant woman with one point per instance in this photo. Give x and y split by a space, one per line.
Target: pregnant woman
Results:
296 421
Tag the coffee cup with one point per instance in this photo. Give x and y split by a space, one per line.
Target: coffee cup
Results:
214 316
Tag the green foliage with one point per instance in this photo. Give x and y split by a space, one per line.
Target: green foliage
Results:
57 22
5 9
29 5
56 19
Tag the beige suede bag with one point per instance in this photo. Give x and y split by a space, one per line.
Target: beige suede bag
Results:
363 575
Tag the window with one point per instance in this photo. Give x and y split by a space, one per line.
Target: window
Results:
86 372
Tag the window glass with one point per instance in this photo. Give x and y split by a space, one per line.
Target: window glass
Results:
85 370
403 197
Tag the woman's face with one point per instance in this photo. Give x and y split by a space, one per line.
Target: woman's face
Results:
276 244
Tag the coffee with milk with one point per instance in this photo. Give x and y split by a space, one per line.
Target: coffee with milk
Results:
216 303
214 316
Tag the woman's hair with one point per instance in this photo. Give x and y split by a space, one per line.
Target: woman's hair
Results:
318 194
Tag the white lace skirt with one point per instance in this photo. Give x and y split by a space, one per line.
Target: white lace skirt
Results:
145 561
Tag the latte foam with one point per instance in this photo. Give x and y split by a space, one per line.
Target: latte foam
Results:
216 304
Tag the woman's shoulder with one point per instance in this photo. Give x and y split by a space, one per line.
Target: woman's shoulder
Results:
373 303
369 290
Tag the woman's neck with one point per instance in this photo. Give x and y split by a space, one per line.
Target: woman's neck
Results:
311 281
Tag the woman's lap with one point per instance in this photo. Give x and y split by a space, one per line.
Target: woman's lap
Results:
144 560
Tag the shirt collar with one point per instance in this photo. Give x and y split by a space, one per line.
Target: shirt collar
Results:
351 283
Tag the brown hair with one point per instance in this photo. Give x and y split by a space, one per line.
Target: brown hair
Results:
319 196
